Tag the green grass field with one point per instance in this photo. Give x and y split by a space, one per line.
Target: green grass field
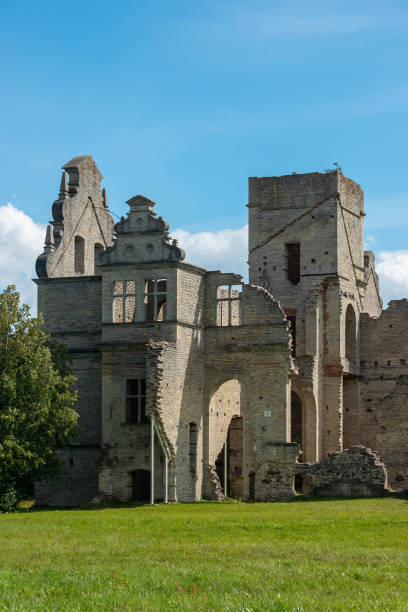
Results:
312 555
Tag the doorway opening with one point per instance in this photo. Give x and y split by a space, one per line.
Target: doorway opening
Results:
230 460
141 486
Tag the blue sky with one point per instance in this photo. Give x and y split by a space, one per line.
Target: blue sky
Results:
182 101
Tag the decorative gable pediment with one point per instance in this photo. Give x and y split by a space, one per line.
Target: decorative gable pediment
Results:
142 237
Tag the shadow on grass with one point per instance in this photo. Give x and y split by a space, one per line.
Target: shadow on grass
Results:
298 499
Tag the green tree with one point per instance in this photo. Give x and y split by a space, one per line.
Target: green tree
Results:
36 398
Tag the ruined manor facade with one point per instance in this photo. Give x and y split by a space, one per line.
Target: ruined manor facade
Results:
193 384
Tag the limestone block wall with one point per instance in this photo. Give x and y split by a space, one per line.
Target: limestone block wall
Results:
257 355
80 212
79 484
125 446
350 243
71 311
357 472
384 368
190 295
392 433
176 378
372 301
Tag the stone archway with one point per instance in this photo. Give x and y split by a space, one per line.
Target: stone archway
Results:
229 442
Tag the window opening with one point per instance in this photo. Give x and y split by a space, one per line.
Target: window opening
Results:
229 305
292 327
98 248
124 301
193 433
293 262
296 428
155 300
136 401
79 255
350 334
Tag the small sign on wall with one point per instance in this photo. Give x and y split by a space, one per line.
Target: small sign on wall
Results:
267 413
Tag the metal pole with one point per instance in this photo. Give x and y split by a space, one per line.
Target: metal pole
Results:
166 479
152 459
225 468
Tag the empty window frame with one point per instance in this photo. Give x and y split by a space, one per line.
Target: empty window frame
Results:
155 298
229 305
292 327
136 400
98 248
79 255
123 303
193 441
293 261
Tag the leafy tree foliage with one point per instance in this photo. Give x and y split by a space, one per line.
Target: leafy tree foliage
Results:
36 398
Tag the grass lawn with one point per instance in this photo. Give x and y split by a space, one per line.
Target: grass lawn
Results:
311 555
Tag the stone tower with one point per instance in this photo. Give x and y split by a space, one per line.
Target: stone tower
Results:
306 249
69 299
81 227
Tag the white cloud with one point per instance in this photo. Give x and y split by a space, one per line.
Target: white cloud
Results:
21 240
225 250
392 268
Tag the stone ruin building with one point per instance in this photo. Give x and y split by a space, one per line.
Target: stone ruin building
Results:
193 384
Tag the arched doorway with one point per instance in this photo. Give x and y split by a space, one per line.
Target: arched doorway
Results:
229 462
350 334
229 442
141 485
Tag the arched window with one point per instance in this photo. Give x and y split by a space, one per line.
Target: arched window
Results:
98 248
79 257
350 334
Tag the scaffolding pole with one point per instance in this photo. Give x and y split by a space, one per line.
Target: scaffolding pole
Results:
166 479
226 468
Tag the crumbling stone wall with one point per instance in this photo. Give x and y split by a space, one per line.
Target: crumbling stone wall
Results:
356 472
222 348
384 372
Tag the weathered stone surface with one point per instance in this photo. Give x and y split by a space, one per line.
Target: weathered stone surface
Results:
224 387
357 472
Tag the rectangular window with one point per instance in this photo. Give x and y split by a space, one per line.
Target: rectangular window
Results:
124 300
293 262
229 305
155 299
292 326
136 401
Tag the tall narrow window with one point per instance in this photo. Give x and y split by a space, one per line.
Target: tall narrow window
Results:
293 262
123 306
155 300
79 256
229 305
136 400
98 248
292 326
193 431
